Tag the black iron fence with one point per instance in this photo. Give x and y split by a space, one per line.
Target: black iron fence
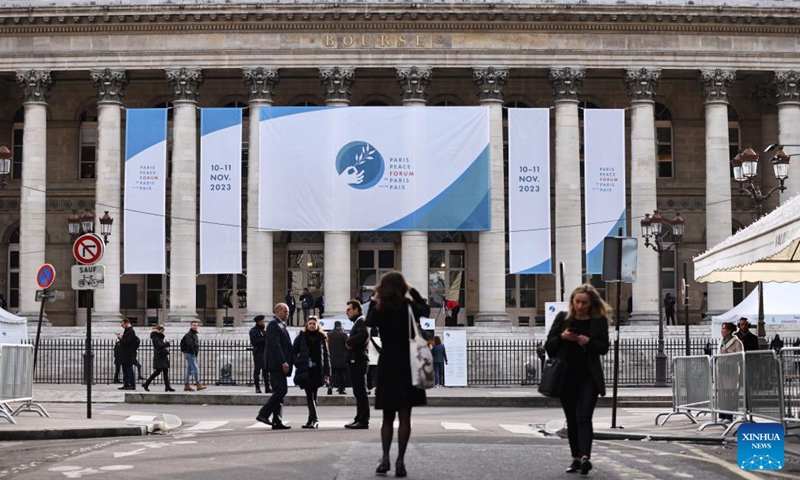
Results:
230 362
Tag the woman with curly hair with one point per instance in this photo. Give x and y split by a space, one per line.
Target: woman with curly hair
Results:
313 364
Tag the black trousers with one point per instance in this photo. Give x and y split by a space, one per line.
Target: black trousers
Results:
311 401
669 318
128 380
259 372
274 405
156 373
578 400
358 380
339 379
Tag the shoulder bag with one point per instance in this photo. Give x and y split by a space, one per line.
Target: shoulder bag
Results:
420 355
553 375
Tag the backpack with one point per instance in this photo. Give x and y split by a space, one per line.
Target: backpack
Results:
136 342
184 344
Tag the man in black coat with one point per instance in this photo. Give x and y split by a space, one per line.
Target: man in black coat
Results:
258 339
749 341
128 343
279 364
337 346
292 304
358 363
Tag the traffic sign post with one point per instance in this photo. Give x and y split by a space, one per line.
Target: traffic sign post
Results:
45 278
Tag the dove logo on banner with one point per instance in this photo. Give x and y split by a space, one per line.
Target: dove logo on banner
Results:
360 165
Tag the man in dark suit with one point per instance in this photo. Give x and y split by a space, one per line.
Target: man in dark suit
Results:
290 301
128 343
357 363
258 339
279 364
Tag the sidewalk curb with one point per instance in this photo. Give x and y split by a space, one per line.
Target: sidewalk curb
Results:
74 433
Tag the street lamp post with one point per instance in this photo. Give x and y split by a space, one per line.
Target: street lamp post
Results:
79 225
651 229
745 171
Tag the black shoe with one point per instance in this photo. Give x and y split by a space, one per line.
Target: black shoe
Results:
400 469
258 390
169 389
116 381
146 387
574 466
312 424
383 467
267 390
261 419
330 391
141 377
342 392
586 465
280 426
357 426
124 387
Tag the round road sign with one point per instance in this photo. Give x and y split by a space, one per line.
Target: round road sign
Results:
88 248
46 276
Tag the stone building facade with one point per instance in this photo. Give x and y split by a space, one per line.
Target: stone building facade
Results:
699 80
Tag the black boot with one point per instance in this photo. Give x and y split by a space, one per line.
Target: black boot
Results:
257 383
167 386
146 384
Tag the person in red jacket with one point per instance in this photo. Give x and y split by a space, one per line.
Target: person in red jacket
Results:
454 308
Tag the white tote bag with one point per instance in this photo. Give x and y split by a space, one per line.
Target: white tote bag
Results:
419 354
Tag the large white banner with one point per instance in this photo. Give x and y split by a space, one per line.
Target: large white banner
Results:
529 190
374 168
455 344
604 180
145 190
221 190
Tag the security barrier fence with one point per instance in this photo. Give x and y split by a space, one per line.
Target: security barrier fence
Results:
756 384
16 381
229 362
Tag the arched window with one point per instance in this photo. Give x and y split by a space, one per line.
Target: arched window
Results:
664 155
376 103
306 104
446 103
87 154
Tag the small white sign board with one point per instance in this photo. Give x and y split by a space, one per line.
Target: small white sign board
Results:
88 277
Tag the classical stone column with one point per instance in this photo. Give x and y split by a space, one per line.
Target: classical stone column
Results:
566 84
490 82
337 82
770 132
183 212
642 83
108 198
261 83
35 85
414 83
715 84
788 100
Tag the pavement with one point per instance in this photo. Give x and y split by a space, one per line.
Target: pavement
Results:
635 418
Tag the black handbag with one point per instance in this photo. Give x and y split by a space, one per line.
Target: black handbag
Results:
552 378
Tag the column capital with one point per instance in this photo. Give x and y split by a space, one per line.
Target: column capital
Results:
786 86
185 83
337 82
414 83
642 83
715 84
567 82
109 84
35 85
765 96
261 82
490 82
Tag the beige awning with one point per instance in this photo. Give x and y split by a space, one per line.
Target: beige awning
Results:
765 251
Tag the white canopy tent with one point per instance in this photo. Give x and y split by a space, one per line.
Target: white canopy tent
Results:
13 329
766 251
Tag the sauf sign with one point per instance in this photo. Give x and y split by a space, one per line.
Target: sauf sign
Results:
88 277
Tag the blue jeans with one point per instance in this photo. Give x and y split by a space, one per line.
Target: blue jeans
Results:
438 373
191 368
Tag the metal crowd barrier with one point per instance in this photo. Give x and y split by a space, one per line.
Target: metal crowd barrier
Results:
16 381
692 387
764 394
790 367
729 391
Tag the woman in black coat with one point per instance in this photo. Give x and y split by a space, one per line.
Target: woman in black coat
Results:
395 394
578 338
313 365
160 358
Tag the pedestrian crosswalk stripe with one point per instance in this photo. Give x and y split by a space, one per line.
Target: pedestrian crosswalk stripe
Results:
208 425
523 429
458 426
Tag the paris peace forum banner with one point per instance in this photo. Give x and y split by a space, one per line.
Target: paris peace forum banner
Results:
604 180
529 191
374 168
221 190
145 190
